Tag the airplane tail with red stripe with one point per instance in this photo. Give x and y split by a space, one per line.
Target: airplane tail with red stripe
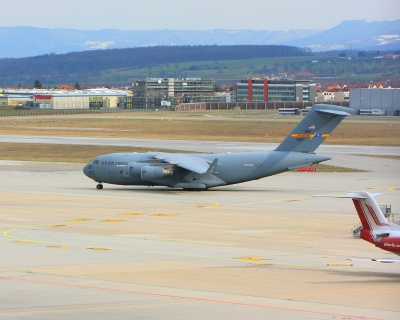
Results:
370 214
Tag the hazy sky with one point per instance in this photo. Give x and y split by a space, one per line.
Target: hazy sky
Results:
193 15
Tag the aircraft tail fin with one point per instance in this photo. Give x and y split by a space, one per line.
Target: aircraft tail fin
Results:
371 216
315 127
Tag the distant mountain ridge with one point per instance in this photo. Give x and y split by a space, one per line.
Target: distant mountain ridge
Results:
356 34
19 42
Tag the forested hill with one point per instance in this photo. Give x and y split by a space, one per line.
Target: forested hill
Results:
53 68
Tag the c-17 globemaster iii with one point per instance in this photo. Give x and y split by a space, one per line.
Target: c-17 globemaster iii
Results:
204 171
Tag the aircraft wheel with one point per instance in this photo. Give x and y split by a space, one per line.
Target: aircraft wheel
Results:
99 186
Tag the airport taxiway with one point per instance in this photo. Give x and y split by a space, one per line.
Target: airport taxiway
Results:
191 145
263 249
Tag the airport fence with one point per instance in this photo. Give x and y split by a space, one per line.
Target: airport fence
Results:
57 112
244 106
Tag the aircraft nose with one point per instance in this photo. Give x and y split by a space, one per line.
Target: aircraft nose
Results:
86 169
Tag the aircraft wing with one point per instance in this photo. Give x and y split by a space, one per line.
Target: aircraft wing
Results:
187 161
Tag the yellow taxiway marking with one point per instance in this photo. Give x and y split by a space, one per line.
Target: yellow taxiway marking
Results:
216 204
251 259
166 253
339 265
394 189
131 214
163 215
111 220
98 248
65 224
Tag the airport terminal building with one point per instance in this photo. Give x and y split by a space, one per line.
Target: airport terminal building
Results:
275 90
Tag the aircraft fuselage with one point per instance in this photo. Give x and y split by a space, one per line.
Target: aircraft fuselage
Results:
145 169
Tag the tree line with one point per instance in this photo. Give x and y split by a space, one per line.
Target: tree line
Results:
52 68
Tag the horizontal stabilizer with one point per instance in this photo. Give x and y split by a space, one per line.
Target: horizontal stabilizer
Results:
336 112
353 195
370 214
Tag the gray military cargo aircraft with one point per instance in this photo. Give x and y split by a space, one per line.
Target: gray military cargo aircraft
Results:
204 171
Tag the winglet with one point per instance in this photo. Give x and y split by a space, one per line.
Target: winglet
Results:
212 166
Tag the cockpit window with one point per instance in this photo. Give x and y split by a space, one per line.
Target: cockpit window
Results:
95 161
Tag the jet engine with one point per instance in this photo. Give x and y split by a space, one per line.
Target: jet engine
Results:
135 169
146 171
156 172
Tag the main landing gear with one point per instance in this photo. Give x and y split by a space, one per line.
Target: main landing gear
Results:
99 186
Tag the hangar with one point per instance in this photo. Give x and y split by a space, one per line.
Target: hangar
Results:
88 99
376 101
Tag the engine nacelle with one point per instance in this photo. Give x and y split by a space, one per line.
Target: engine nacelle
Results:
135 169
156 172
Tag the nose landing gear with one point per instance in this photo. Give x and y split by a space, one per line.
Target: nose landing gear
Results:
99 186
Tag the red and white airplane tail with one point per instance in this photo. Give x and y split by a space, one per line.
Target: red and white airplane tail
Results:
375 228
372 219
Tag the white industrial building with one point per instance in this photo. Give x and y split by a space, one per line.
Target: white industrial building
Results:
62 99
327 96
7 100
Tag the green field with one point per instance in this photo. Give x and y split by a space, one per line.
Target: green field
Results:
229 71
327 66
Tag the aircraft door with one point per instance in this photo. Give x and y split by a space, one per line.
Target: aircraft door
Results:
111 175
